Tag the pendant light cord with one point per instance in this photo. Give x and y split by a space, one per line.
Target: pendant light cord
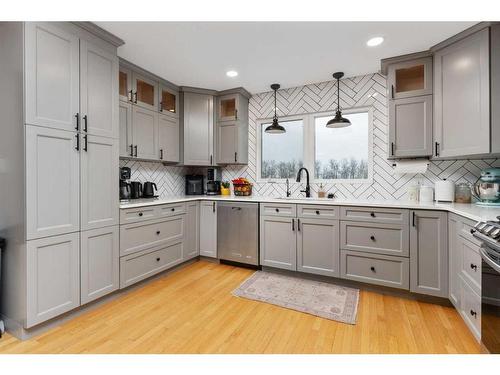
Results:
338 94
275 116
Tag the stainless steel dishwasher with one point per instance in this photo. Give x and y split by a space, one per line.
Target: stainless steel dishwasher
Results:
238 232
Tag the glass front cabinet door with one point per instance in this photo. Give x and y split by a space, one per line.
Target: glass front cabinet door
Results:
410 78
228 107
125 85
169 101
145 92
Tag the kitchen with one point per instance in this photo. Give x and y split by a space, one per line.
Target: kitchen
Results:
163 215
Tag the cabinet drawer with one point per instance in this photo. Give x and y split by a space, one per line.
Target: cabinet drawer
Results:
278 209
321 212
134 215
375 269
470 308
470 268
375 215
464 227
141 236
138 267
167 210
375 238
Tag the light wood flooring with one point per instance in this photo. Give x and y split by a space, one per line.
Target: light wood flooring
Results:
192 311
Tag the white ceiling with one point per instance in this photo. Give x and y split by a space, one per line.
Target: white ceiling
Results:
290 53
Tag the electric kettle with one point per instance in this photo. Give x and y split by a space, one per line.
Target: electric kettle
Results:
149 190
135 190
487 187
124 190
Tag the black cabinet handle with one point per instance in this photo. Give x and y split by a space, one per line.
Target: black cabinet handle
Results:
317 212
293 225
236 114
77 122
77 136
211 159
235 157
158 232
392 148
85 143
140 214
392 91
85 123
172 209
135 148
131 150
135 97
157 259
473 313
436 146
298 225
213 206
372 238
472 231
161 154
473 266
372 269
372 214
413 219
277 210
161 106
129 95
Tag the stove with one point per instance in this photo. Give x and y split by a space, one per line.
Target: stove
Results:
489 233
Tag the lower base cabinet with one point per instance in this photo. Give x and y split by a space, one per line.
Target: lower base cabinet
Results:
278 244
192 231
99 263
53 277
208 229
470 308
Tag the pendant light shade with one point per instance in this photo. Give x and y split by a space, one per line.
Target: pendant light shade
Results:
275 127
338 121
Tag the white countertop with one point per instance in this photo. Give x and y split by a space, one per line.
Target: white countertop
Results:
470 211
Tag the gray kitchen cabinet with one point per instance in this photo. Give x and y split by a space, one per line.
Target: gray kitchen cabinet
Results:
125 121
410 78
208 229
99 263
168 138
278 242
168 101
198 128
99 178
462 97
318 246
125 92
52 182
454 260
229 107
410 127
429 253
145 133
53 277
51 75
227 141
98 90
192 234
145 91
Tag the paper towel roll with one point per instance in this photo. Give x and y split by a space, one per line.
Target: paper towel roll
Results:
410 166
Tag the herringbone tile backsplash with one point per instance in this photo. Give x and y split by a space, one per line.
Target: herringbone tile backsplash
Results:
362 91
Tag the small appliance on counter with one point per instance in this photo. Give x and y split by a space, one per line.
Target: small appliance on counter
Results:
213 181
444 191
487 187
135 190
125 189
194 184
213 188
149 190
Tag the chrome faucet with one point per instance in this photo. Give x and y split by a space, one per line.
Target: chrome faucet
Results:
308 187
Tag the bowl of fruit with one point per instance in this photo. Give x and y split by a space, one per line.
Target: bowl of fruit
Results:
242 187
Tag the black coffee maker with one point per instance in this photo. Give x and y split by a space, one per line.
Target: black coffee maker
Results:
125 188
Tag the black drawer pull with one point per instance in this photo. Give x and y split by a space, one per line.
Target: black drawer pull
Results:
172 209
372 269
277 210
140 214
473 313
473 266
372 214
472 231
157 259
317 212
158 232
372 238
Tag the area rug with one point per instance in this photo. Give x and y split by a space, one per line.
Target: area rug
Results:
313 297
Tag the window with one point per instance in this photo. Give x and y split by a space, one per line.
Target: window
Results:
341 153
335 155
282 154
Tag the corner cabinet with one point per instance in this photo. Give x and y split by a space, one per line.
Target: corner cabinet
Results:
462 97
429 252
232 127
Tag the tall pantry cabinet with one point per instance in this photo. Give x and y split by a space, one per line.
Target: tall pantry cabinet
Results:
67 253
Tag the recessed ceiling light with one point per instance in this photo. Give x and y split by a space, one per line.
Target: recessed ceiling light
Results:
376 41
232 73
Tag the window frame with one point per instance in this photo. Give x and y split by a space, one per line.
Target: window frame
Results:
309 145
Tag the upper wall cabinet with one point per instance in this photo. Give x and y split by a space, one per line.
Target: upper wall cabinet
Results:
168 101
410 78
145 91
125 85
52 79
462 97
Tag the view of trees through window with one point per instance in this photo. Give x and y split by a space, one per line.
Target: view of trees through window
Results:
338 153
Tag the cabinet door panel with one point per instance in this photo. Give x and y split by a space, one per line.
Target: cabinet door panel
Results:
318 247
52 81
145 92
429 253
208 229
99 182
192 234
462 97
168 138
454 261
126 141
169 101
53 277
410 126
198 129
99 263
410 78
227 143
278 244
98 90
145 133
52 182
125 85
228 106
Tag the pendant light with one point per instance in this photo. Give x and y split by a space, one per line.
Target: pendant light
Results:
275 128
338 121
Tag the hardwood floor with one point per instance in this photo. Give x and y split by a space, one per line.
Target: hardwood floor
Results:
192 311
